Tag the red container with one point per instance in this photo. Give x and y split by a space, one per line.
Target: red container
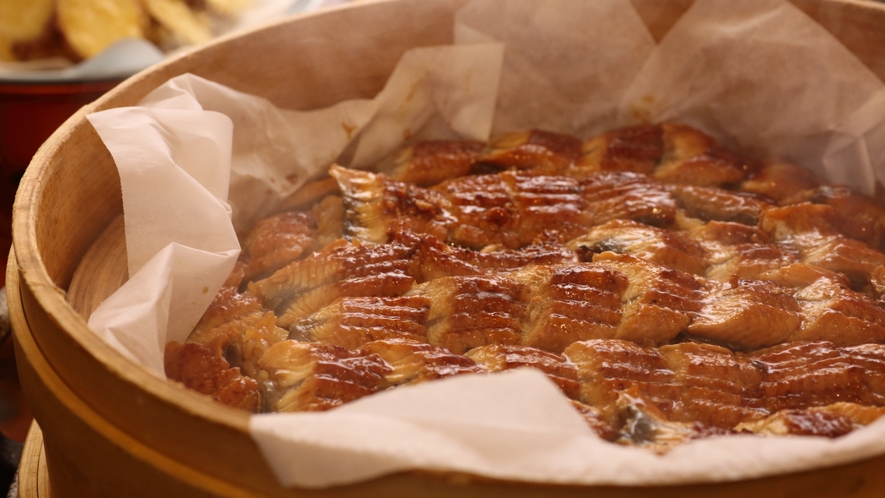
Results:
29 113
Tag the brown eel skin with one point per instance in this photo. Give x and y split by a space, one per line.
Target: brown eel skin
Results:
672 288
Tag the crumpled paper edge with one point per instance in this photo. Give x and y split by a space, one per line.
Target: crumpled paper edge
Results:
179 191
791 119
551 444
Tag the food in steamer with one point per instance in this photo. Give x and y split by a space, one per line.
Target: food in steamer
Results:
671 288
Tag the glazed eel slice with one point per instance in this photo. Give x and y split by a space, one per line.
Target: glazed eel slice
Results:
314 377
359 270
669 152
615 296
693 382
433 161
510 209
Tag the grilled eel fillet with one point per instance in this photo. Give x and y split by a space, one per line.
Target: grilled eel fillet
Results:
353 293
651 396
582 259
514 208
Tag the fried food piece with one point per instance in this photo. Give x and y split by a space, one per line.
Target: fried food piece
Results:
226 340
686 383
670 152
225 7
661 246
812 230
228 306
276 241
568 303
203 371
830 421
644 425
539 151
717 204
312 377
499 357
346 270
412 362
376 207
471 311
747 261
779 180
857 216
720 389
836 313
608 367
187 26
431 162
637 149
329 216
706 365
736 250
693 158
830 309
871 357
727 233
747 314
511 208
256 340
658 302
90 26
877 283
543 203
23 22
237 328
6 54
805 374
309 194
351 322
810 422
616 296
628 196
690 383
434 259
339 270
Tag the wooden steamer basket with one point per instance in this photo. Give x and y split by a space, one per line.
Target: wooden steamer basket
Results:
110 427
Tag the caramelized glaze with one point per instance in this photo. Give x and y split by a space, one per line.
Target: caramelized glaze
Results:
671 288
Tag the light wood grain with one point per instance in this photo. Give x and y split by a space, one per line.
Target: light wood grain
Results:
104 262
33 477
111 428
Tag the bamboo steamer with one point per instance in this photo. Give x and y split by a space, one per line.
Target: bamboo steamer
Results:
33 477
109 427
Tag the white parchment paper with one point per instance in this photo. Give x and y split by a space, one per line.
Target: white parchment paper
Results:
784 89
757 74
